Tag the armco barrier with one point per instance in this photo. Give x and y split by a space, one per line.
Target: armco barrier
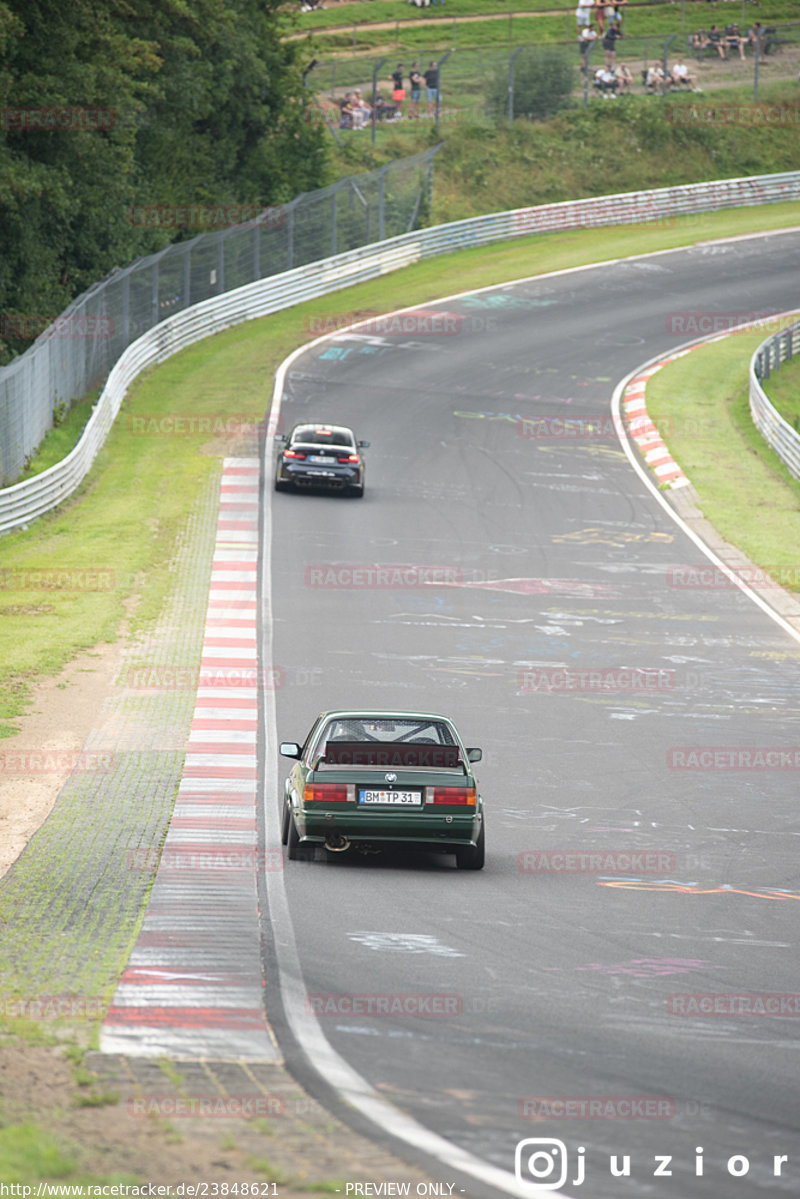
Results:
22 502
776 431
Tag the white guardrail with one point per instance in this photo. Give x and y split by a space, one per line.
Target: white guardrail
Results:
23 502
775 430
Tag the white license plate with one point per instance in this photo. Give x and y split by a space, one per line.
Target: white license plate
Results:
321 459
322 474
399 799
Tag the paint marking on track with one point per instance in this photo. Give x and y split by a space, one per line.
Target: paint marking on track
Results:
166 1001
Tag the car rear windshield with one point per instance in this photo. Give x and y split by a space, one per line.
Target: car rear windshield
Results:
312 436
409 731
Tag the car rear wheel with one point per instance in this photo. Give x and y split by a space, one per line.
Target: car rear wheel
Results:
357 491
471 857
281 486
285 818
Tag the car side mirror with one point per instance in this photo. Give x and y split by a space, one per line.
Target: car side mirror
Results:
290 749
363 445
474 755
280 437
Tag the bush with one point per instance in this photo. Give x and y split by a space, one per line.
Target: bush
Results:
542 86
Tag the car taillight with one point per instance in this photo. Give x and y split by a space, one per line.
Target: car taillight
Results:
292 454
464 796
327 793
350 458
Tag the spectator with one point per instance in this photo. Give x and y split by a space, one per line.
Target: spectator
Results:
398 91
624 78
586 40
735 39
699 40
346 112
680 75
613 33
416 89
714 39
361 110
606 82
654 78
619 6
755 32
431 85
583 13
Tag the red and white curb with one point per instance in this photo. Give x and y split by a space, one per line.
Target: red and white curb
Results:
193 985
645 434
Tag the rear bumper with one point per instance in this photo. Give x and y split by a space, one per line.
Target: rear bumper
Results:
422 829
319 476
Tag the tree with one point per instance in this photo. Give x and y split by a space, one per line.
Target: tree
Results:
542 85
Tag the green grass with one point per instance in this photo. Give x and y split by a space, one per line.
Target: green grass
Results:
629 145
639 19
744 489
29 1154
131 513
783 389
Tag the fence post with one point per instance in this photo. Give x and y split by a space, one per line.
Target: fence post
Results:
587 62
381 190
756 64
375 70
154 293
439 66
664 61
511 85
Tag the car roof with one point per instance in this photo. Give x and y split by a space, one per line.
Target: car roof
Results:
368 714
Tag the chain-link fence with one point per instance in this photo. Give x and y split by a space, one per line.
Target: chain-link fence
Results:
77 351
469 79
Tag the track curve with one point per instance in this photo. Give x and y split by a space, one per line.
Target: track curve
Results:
562 565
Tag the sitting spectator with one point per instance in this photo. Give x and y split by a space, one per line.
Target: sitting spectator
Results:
346 112
606 82
384 109
613 34
755 32
361 110
698 41
624 79
654 78
680 75
714 39
735 39
587 39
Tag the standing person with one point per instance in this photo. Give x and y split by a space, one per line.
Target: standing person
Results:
416 89
399 92
431 86
613 33
588 36
583 13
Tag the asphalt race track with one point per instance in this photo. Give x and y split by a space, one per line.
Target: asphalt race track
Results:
567 982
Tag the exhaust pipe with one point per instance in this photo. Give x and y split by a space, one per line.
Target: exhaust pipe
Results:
336 842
